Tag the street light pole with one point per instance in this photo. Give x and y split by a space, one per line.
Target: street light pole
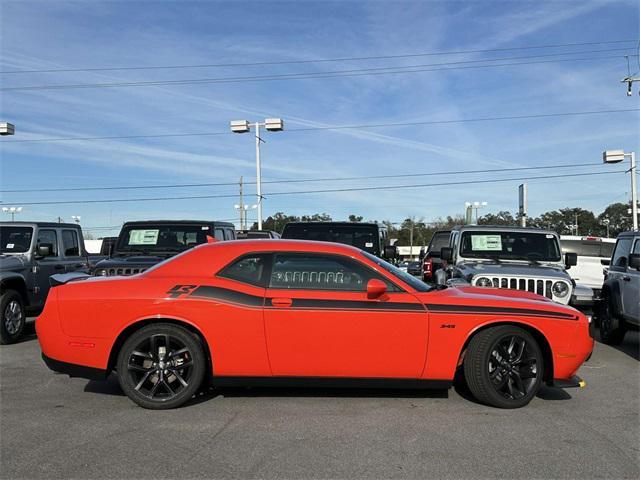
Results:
243 126
617 156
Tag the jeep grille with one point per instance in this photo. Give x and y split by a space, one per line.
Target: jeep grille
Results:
540 286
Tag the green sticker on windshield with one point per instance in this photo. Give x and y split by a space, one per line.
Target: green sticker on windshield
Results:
143 237
486 243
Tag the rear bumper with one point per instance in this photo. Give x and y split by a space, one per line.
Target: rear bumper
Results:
573 382
74 370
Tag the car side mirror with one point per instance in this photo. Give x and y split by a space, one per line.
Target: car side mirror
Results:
390 251
446 254
634 261
570 260
376 289
44 250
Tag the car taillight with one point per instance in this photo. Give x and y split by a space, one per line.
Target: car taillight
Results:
427 266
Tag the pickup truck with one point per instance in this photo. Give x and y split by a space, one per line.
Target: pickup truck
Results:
30 252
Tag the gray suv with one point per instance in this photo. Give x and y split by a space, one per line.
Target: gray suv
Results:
30 252
527 259
620 305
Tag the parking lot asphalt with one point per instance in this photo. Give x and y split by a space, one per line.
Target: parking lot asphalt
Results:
52 426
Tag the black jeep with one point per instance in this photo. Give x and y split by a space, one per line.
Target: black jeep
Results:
143 244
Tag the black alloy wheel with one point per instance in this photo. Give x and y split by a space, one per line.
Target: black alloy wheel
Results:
13 317
161 366
504 367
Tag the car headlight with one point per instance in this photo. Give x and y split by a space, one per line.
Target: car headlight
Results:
484 282
102 272
560 289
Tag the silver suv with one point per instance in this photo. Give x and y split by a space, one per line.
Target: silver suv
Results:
620 305
527 259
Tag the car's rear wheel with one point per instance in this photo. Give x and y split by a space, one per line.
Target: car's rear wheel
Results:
161 366
13 317
612 329
504 367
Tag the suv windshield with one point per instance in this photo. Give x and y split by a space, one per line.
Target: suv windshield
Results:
161 238
365 237
402 275
515 245
15 239
588 248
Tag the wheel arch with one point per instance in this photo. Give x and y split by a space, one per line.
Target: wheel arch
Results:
17 283
138 324
547 354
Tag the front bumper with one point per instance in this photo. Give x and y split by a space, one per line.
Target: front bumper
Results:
573 382
74 370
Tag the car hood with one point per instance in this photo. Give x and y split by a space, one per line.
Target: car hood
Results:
495 299
12 262
512 269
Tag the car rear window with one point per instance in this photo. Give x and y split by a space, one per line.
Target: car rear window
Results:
588 248
439 240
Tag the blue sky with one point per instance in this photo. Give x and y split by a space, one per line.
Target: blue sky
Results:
58 34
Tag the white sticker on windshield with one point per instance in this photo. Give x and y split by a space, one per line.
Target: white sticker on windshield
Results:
549 235
369 244
486 243
204 228
10 245
143 237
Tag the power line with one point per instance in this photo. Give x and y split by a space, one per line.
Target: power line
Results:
334 127
319 60
305 180
304 192
307 75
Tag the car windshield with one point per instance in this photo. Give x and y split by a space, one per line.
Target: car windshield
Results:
15 239
364 237
517 245
161 238
588 248
401 274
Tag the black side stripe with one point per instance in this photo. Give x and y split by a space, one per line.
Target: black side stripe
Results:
227 295
475 310
312 303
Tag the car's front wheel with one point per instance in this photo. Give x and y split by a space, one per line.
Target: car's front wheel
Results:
504 367
612 328
13 317
161 366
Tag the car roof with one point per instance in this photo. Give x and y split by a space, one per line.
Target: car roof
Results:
629 233
40 224
588 238
281 245
505 228
177 222
373 224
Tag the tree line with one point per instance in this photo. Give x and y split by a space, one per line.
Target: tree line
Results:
613 220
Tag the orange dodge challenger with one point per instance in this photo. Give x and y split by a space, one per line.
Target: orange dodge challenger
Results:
261 312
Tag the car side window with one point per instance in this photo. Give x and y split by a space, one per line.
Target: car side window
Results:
248 269
70 244
320 272
620 254
218 233
636 247
50 238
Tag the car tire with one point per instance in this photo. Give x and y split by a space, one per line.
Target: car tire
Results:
612 327
161 366
13 317
504 367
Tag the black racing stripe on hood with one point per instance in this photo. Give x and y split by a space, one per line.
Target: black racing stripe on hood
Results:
472 309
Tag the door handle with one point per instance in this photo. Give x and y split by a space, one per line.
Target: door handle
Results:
59 267
626 278
281 302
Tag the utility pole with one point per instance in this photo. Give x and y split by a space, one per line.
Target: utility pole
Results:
411 239
617 156
242 220
523 204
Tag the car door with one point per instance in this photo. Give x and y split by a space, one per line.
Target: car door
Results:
630 287
618 267
319 321
46 266
71 252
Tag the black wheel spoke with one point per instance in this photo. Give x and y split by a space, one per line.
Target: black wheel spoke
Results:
519 386
144 379
138 368
180 379
179 352
142 354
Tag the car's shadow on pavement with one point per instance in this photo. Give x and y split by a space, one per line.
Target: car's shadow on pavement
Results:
630 346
